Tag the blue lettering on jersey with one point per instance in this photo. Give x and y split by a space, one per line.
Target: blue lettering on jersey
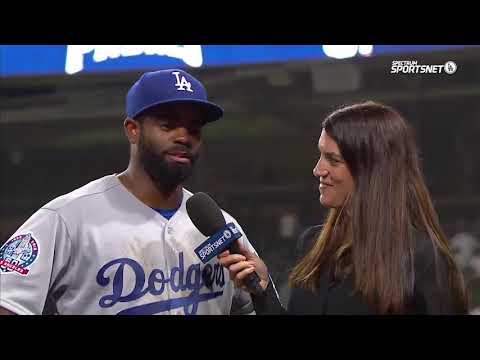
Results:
194 278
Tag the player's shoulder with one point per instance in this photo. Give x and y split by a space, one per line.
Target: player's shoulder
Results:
92 189
228 217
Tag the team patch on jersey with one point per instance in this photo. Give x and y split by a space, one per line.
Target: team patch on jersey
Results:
18 254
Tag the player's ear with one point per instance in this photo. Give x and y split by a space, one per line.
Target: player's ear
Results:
132 130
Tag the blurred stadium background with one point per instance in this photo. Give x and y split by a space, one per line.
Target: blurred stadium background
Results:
62 109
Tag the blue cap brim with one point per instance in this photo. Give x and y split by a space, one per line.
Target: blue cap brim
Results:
213 111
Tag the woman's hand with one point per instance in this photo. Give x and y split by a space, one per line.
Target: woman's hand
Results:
242 264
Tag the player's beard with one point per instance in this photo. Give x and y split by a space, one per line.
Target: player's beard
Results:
166 175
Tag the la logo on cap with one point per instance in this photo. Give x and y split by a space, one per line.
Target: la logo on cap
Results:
182 83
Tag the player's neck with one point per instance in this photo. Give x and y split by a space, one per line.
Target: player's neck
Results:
143 188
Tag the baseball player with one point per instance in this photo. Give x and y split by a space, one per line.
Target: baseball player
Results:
124 244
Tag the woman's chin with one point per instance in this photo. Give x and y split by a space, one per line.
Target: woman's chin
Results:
326 202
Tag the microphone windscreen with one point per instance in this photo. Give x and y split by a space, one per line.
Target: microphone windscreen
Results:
205 213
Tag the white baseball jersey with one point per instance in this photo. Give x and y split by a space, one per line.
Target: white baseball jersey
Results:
100 250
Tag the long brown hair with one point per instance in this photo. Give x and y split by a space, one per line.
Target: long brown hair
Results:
372 235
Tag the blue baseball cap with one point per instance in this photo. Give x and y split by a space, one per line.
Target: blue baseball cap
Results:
169 86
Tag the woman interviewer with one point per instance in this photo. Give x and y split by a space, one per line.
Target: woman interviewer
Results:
381 249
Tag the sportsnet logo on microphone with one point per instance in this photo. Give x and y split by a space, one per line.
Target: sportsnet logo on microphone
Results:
412 67
218 242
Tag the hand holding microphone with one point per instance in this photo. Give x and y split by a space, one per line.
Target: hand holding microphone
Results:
243 263
223 242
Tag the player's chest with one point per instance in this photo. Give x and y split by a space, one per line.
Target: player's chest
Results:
153 243
153 263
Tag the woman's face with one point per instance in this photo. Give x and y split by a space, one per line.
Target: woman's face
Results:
336 181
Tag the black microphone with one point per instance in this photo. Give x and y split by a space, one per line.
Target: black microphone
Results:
208 218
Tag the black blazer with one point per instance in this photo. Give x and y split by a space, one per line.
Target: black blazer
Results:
339 298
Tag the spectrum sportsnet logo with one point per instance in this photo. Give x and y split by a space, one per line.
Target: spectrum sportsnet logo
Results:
412 67
218 242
